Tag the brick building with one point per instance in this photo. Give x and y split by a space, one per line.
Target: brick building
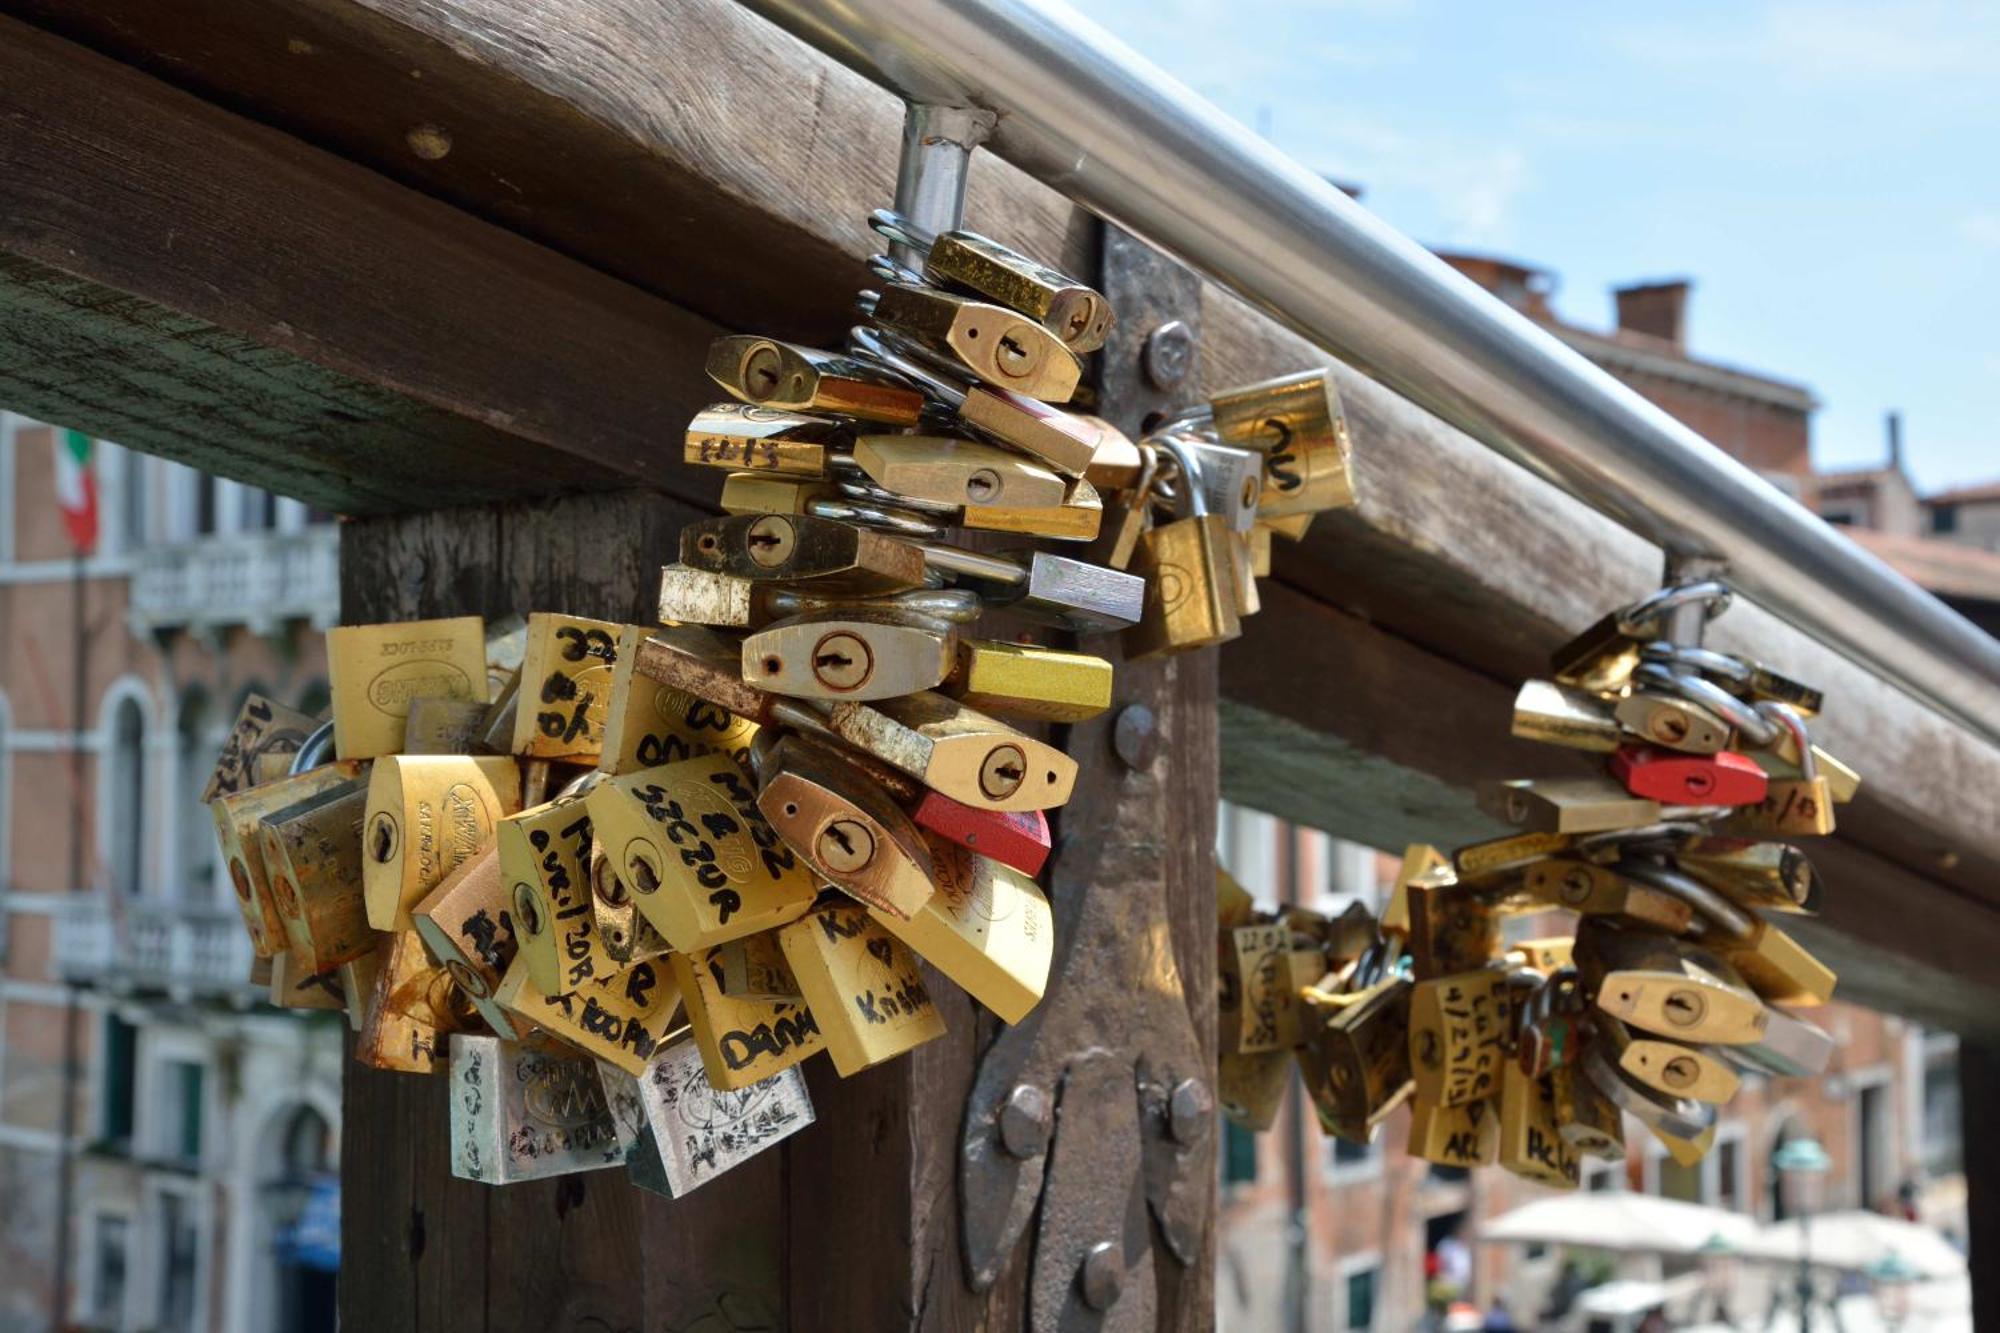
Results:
189 1125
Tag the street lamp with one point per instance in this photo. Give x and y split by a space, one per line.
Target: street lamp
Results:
1893 1278
1718 1274
1800 1163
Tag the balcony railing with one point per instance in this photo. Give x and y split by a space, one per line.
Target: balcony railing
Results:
257 580
185 951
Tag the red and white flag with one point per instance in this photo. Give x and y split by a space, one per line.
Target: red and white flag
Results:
76 488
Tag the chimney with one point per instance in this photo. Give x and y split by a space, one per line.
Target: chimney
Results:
1656 309
1894 421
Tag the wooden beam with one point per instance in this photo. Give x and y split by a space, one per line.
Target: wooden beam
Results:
190 283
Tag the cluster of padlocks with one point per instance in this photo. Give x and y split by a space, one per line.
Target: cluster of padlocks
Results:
619 880
1530 1051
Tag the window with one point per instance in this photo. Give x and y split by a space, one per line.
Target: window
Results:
107 1268
1872 1111
1844 518
1601 1176
1944 518
1354 1158
195 756
1942 1122
1679 1182
259 509
1239 1154
125 805
180 1254
1729 1162
121 1050
132 503
179 1104
1358 1294
204 504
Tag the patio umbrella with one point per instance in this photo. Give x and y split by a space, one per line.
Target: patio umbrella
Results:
1620 1220
1853 1241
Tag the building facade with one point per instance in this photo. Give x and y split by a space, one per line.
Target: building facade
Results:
160 1128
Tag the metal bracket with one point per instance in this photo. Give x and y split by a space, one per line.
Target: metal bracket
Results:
1096 1111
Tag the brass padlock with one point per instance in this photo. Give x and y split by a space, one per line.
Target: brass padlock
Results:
236 818
742 1040
412 1009
958 750
1782 761
1671 721
1420 862
1189 568
1770 876
1502 856
1068 443
767 373
1577 885
1763 683
1355 1056
1461 1032
565 688
941 470
621 1018
374 671
770 493
1557 714
741 436
263 729
1792 806
1777 966
1531 1144
702 862
1567 805
1600 660
1670 1068
467 925
1681 1117
854 653
1587 1120
1079 518
426 815
1250 1089
648 724
1296 424
1073 312
311 852
1452 930
1131 511
690 1132
441 725
863 985
1687 994
847 830
1467 1135
545 862
1255 972
291 986
993 343
524 1111
824 552
1023 680
987 927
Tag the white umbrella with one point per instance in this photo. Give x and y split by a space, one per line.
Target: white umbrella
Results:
1852 1241
1620 1220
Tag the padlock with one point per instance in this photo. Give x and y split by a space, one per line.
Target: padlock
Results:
750 438
523 1111
823 552
1564 715
942 470
958 750
1587 1120
1579 886
620 1018
862 984
1189 568
291 986
1467 1135
1461 1031
496 729
1781 761
1543 954
1130 510
754 968
1053 589
742 1040
1230 479
1687 994
767 373
1777 966
994 344
438 724
1257 967
691 1132
1354 1056
545 863
1259 552
1549 1022
696 597
1770 876
648 724
626 935
1014 838
1073 312
846 831
1673 722
1793 806
1671 778
1023 680
1669 1068
1250 1089
1420 862
426 815
856 653
770 493
373 671
1600 660
1064 441
1296 424
311 852
1531 1144
1292 527
1233 904
263 728
236 818
1566 805
987 927
467 924
412 1009
1452 930
1500 856
702 862
1681 1117
565 688
1079 518
1763 683
706 666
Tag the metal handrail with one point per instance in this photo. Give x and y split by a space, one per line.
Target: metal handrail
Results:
1088 116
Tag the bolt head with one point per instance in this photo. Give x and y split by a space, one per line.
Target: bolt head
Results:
1168 357
1024 1122
1102 1275
1135 736
1189 1110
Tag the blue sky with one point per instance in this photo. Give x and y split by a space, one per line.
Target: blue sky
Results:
1828 174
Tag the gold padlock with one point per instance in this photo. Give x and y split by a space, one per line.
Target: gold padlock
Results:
702 862
264 729
1079 518
1466 1136
1354 1056
1073 312
1460 1034
847 830
1296 423
754 968
1685 993
1577 885
863 985
1071 444
1023 680
1567 805
1777 966
442 725
1189 568
374 671
750 438
958 750
854 653
294 987
621 1018
767 373
1670 721
413 1008
545 863
1420 860
942 470
1587 1120
236 818
1453 930
467 925
1791 806
1500 856
311 852
1256 970
743 1041
427 814
1668 1067
1600 660
1250 1089
1769 876
648 724
565 688
1558 714
993 343
769 493
824 552
987 927
1531 1144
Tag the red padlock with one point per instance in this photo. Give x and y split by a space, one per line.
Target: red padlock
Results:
1019 839
1673 778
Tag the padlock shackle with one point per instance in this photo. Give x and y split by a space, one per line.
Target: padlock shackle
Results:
1758 729
313 751
1711 906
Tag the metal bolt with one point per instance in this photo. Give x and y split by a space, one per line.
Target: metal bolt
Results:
1684 1008
771 540
841 661
1002 773
1024 1122
1575 886
1188 1110
1168 355
1135 736
1102 1275
1679 1072
982 485
527 914
760 371
844 846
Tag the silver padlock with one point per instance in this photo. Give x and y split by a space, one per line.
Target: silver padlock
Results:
684 1133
